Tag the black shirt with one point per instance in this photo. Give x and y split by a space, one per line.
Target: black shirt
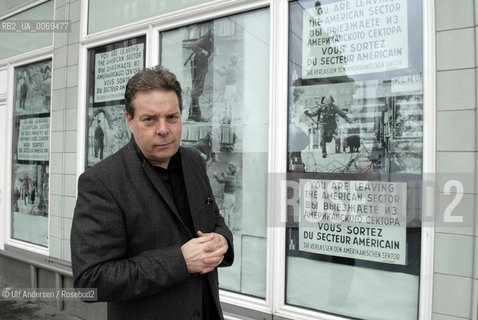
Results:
173 179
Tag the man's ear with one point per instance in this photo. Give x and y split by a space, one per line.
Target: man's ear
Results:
128 120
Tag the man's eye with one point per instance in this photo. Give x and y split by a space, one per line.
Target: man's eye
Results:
148 121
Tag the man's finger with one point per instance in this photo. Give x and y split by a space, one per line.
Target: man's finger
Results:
204 237
217 251
212 261
206 270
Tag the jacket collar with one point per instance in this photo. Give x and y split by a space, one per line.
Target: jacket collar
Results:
158 183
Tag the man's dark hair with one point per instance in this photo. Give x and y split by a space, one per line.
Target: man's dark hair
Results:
150 79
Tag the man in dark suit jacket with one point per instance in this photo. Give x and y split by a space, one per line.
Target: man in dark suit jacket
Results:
147 232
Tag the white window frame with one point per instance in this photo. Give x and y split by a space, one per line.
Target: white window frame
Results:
8 65
32 57
21 8
429 167
274 302
429 159
3 150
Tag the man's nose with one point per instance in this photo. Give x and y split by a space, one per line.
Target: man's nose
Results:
162 128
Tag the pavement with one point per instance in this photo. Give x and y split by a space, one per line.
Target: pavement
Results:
24 309
31 310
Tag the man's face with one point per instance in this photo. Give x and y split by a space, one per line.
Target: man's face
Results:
327 101
156 125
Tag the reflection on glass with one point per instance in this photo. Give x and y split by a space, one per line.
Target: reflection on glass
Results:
106 14
30 166
223 69
22 41
355 144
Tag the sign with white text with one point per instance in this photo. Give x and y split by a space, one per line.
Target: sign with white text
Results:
354 219
34 139
353 37
114 68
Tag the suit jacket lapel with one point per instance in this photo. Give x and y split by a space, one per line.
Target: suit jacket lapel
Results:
163 191
192 182
159 185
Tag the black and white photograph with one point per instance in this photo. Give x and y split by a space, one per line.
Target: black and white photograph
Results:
211 76
30 203
31 149
33 88
110 68
354 127
223 68
107 132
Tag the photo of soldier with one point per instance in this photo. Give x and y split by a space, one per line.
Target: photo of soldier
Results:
23 83
99 140
107 132
199 61
325 114
33 88
228 178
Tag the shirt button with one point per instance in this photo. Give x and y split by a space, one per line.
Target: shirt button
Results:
197 315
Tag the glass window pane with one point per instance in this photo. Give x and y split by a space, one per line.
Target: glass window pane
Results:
14 43
11 4
223 67
30 164
355 157
106 14
109 69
